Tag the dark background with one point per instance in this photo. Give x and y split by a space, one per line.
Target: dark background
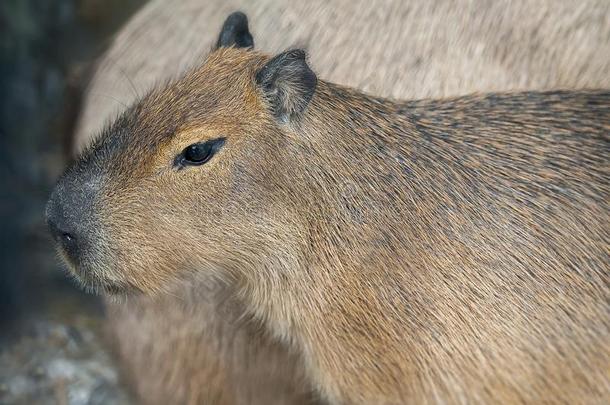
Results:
52 346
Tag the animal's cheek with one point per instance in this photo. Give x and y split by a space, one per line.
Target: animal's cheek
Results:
148 259
193 225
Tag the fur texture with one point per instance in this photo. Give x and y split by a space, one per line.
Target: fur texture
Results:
427 251
403 49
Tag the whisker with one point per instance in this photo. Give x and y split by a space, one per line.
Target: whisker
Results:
110 97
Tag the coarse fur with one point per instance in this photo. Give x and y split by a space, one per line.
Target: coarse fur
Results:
425 252
414 49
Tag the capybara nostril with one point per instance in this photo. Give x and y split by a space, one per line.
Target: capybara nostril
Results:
61 229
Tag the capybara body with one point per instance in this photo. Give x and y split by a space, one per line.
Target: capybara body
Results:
401 49
407 252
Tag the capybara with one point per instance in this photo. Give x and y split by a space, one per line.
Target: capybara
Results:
407 252
402 49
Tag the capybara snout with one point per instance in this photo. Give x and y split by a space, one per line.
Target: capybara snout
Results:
70 215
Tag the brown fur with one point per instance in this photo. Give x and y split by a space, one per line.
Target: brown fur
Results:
404 49
428 251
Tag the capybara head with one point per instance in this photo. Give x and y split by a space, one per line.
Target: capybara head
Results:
190 177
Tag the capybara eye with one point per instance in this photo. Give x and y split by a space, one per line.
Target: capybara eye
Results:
199 153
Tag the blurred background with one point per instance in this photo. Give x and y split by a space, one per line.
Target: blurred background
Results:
52 345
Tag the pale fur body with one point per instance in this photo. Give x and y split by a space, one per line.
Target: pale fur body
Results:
402 49
391 48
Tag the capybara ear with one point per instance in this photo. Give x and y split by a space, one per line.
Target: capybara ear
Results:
235 32
288 84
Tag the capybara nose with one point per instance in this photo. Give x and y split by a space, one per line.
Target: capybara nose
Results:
69 213
61 229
